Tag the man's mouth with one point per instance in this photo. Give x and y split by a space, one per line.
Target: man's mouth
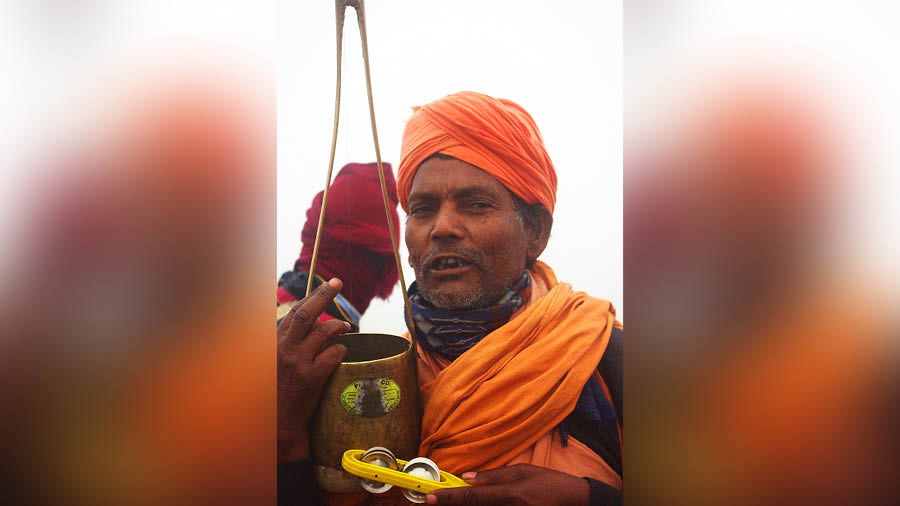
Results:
448 264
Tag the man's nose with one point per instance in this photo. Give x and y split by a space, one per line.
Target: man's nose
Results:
447 225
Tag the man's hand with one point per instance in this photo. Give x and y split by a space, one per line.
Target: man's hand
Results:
521 484
304 367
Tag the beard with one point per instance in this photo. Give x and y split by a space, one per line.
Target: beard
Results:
473 299
484 295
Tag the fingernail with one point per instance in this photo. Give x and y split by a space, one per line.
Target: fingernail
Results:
334 282
468 476
431 499
347 325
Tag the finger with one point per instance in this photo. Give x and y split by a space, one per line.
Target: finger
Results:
327 361
289 314
301 312
300 320
473 496
494 476
284 322
319 336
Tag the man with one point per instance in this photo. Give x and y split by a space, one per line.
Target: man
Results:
520 376
355 245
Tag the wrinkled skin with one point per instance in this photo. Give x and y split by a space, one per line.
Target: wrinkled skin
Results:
303 369
517 485
458 210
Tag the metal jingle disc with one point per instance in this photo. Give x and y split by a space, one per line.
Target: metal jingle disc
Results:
382 457
423 468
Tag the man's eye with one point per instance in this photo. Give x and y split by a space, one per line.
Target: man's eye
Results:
419 210
480 205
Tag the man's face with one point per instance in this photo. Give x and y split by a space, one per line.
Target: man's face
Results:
465 241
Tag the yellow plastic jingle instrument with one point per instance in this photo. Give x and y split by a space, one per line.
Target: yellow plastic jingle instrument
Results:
378 470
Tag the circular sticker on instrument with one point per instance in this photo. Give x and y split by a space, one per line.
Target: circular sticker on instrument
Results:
372 397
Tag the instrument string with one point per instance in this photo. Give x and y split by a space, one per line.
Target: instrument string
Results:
340 7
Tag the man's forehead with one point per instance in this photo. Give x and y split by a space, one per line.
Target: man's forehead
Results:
453 176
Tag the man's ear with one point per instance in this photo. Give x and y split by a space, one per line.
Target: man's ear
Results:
538 233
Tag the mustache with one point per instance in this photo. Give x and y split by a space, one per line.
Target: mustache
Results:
470 256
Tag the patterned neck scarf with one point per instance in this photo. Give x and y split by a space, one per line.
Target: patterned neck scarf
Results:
451 333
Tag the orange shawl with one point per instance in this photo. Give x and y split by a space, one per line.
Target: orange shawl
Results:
499 402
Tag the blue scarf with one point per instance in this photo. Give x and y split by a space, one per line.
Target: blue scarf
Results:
451 333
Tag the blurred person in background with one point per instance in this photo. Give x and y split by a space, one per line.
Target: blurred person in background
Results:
355 246
520 375
762 357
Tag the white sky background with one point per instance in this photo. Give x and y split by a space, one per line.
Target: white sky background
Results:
561 62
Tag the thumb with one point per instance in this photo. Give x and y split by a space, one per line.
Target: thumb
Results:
494 476
482 496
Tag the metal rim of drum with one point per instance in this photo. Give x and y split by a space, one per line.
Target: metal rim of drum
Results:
382 457
423 468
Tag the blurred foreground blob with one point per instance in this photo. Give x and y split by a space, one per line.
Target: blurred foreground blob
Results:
763 369
141 347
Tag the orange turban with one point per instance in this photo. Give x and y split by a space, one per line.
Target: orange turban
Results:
496 135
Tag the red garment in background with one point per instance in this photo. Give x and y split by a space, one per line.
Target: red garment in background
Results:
356 242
